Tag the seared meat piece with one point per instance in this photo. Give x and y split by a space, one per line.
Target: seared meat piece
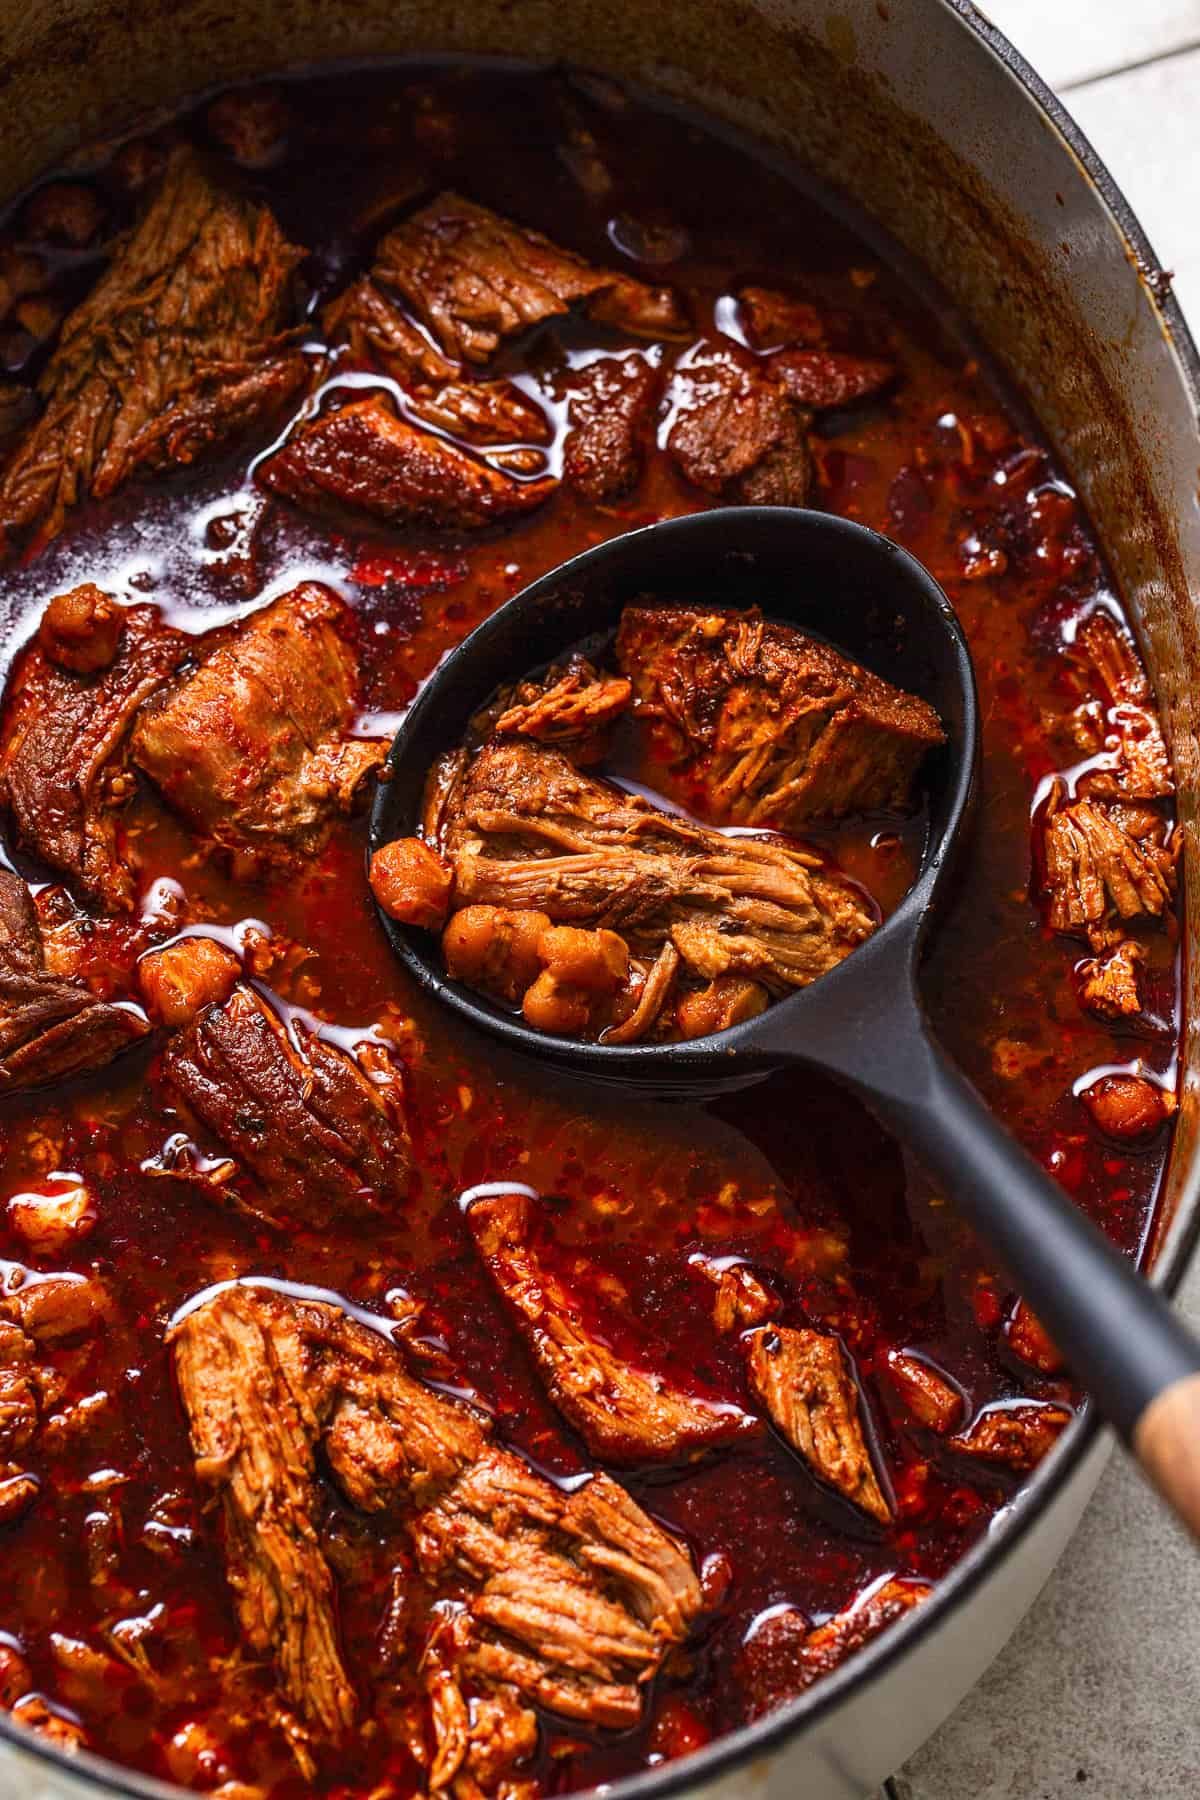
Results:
37 1314
63 750
1015 1436
367 459
525 830
826 378
806 1383
727 1000
1098 874
243 1366
251 747
609 407
1028 1338
741 1298
482 412
927 1395
624 1414
181 345
773 725
1143 770
782 1657
477 1737
572 1599
1108 984
320 1132
771 320
49 1028
1128 1107
475 279
573 707
735 430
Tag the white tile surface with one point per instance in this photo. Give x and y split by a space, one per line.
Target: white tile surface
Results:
1096 1696
1069 41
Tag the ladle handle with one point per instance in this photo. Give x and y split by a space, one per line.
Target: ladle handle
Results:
1135 1356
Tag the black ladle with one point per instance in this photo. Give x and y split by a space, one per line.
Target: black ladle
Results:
864 1021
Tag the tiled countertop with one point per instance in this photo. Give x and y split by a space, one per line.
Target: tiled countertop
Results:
1098 1695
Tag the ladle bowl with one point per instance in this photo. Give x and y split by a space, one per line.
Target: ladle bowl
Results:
863 1022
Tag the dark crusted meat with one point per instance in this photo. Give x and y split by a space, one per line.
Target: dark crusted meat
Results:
525 829
623 1413
1143 768
734 429
475 278
808 1388
320 1131
1017 1437
1098 874
572 1599
49 1028
782 1655
181 345
251 746
367 459
610 403
63 751
826 378
773 725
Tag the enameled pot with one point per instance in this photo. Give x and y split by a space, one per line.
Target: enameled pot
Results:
926 119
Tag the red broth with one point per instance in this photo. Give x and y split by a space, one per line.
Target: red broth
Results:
792 1174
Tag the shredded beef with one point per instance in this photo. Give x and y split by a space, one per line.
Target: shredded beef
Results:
734 429
1097 874
182 344
782 1657
1108 984
807 1386
623 1413
571 1599
1143 767
475 278
524 829
318 1130
252 746
1016 1437
64 744
49 1028
774 726
573 708
367 459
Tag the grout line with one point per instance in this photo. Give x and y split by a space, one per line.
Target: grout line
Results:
1142 62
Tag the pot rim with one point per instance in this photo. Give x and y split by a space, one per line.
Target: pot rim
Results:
869 1664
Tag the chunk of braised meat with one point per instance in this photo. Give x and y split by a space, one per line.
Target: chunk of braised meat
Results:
1143 768
1098 874
573 707
735 430
365 458
1128 1107
479 1731
571 1599
495 949
783 1656
412 882
773 320
475 278
63 212
64 742
318 1130
38 1313
610 406
50 1028
377 332
821 379
251 124
1109 985
1013 1436
526 830
253 746
624 1413
926 1394
182 344
773 725
183 978
806 1382
1028 1338
741 1298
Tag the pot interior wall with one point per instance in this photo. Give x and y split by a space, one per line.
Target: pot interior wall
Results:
896 104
